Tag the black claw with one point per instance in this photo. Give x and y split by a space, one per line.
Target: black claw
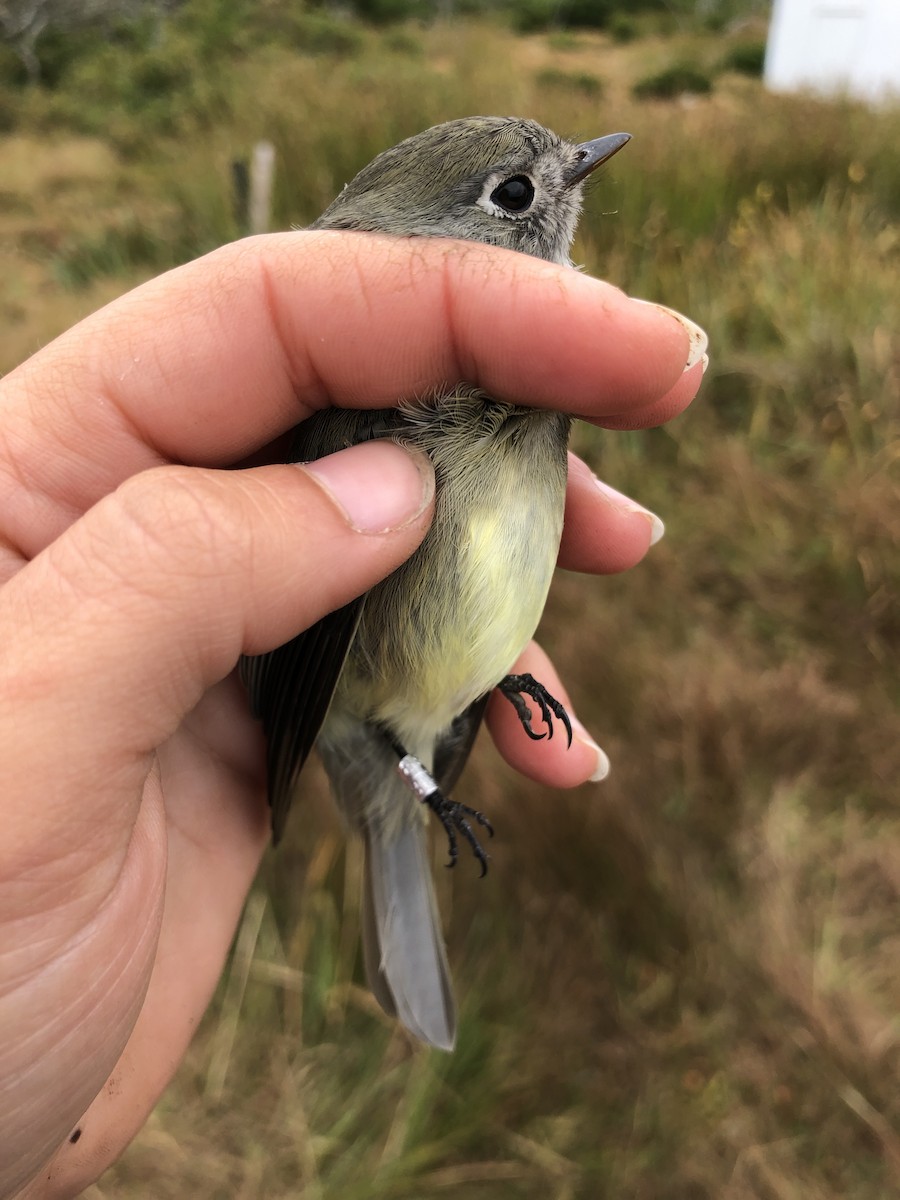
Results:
452 816
453 846
522 711
512 688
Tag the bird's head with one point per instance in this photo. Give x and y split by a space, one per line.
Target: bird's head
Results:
500 180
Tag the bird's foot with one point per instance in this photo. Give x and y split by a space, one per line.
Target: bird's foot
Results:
452 815
514 686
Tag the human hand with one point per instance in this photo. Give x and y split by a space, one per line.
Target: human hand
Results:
135 571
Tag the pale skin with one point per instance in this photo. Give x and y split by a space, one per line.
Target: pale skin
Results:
133 798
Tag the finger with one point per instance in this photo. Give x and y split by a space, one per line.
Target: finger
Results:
674 402
549 761
604 531
168 581
208 363
151 596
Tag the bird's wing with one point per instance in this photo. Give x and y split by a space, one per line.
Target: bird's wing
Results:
290 688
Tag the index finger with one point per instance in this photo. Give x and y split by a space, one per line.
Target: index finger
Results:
210 362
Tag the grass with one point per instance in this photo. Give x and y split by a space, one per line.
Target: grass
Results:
680 984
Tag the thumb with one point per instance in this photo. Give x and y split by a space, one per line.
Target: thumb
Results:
108 638
111 635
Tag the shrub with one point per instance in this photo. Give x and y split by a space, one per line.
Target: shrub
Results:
677 80
622 29
573 81
533 15
401 41
383 12
587 14
747 58
322 34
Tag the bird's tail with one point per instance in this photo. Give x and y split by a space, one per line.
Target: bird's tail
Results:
406 963
403 945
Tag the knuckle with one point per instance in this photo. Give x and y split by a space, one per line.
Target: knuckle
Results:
181 519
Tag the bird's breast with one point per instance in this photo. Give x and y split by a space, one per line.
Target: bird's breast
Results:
447 625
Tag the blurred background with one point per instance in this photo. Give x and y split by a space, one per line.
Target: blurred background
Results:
682 983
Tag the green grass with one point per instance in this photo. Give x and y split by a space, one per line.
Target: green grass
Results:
682 983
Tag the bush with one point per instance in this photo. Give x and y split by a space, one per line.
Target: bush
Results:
678 80
533 15
159 73
322 34
8 101
573 81
622 29
111 253
58 49
587 14
383 12
747 58
401 41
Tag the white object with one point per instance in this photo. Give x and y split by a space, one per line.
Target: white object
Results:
849 47
262 172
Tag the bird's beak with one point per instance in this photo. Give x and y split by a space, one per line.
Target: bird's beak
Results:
592 154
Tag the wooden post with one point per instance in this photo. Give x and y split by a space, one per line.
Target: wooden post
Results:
262 173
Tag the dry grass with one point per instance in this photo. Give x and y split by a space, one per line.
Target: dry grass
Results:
682 983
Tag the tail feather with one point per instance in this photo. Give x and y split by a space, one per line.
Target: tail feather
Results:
403 945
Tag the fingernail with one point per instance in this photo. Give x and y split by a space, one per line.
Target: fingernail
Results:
699 342
378 486
581 735
657 528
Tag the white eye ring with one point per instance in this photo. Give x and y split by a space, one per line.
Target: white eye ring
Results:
496 180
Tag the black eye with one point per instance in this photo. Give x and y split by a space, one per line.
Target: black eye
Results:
515 195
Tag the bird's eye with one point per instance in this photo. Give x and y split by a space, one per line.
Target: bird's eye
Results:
515 194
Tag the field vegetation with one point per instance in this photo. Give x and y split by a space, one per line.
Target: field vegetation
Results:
683 983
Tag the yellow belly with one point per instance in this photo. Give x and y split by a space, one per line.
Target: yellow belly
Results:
430 645
506 575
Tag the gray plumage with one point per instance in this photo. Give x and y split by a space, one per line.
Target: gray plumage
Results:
411 664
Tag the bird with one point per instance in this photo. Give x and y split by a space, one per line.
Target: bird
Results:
391 688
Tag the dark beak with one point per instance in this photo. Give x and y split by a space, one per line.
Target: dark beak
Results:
592 154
